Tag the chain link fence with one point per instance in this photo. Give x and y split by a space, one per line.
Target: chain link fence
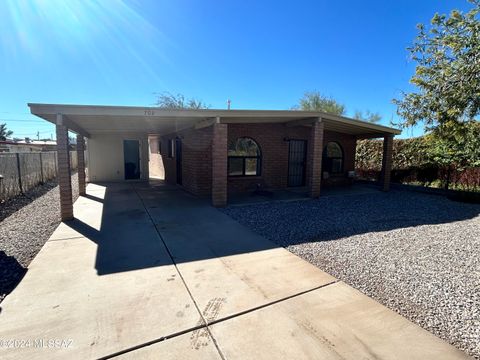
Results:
20 172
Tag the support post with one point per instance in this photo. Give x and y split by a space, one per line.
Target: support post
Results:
219 164
64 181
315 150
81 164
386 162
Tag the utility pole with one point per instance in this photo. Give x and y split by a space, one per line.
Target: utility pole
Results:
38 135
228 104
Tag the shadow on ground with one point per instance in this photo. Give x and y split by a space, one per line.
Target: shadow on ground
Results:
338 216
11 273
138 223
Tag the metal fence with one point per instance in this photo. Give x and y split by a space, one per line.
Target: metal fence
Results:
23 171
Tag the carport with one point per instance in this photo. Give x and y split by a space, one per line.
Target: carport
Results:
207 137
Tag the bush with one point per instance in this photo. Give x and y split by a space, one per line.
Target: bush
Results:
412 163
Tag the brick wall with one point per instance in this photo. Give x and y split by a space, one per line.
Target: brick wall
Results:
197 155
270 138
348 144
219 164
196 160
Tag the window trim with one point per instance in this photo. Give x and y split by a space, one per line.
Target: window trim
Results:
325 156
244 160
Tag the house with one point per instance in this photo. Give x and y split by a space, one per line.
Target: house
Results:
27 145
212 152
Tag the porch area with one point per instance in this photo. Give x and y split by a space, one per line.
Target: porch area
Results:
214 153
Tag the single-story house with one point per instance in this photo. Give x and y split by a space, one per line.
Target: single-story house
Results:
211 152
27 145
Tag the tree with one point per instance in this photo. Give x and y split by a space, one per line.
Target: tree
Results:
169 101
447 74
4 132
368 116
314 101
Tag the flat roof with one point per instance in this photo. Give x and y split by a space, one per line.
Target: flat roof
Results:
97 119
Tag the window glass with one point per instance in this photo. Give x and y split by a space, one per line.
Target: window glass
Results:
251 166
235 166
243 147
336 165
244 157
334 150
333 158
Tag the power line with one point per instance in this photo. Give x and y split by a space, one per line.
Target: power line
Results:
24 120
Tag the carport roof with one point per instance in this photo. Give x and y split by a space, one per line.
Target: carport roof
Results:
96 119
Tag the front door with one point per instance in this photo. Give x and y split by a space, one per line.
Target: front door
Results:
297 152
178 154
131 158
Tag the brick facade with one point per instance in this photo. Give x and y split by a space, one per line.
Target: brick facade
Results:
64 181
200 174
196 160
315 150
219 164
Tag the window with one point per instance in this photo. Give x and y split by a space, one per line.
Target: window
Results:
244 157
333 158
171 148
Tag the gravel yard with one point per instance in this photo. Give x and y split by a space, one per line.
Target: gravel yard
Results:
26 223
417 254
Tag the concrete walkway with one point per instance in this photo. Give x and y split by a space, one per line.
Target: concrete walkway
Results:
149 271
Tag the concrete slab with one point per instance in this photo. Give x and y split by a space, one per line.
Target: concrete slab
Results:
106 291
191 346
105 283
228 268
335 322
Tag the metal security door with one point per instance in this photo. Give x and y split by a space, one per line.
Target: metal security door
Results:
297 152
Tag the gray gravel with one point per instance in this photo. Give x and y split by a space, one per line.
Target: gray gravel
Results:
28 221
417 254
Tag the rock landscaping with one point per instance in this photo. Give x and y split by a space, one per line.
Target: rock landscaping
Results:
417 254
26 223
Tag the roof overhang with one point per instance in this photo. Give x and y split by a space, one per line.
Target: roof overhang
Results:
94 119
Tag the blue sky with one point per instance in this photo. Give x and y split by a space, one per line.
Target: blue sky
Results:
259 54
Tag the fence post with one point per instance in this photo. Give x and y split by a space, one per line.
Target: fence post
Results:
19 171
55 161
41 168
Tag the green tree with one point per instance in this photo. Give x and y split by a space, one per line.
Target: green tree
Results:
373 117
169 101
4 132
447 73
314 101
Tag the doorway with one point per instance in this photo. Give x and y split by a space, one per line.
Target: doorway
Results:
178 158
297 151
131 158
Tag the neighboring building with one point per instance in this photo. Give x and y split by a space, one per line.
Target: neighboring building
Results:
216 152
23 146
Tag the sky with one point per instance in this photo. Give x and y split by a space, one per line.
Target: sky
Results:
258 54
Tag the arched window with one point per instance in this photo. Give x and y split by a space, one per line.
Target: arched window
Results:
333 158
244 157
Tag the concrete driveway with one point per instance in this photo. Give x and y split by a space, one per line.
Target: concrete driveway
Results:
149 271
